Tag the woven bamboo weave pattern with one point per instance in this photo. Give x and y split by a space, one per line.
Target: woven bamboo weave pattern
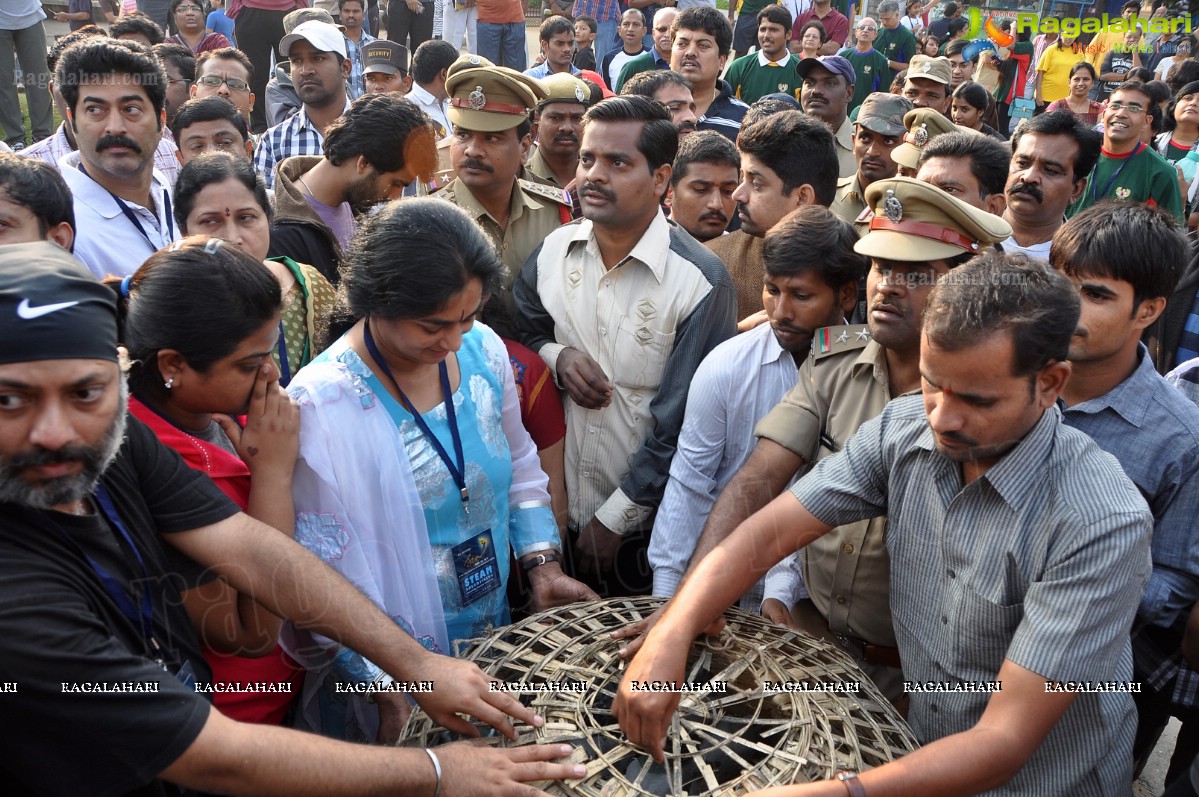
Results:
721 743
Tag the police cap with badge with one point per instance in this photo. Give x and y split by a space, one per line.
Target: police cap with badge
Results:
915 221
487 98
564 87
923 125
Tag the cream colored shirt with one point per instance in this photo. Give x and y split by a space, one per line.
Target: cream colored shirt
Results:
648 322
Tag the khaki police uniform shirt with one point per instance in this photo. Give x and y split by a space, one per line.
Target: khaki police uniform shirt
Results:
847 164
850 200
534 213
842 384
540 171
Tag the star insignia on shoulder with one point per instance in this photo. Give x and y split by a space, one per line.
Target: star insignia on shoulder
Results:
842 338
863 334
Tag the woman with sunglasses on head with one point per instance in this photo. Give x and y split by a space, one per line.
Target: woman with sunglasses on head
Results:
190 21
417 480
218 195
199 321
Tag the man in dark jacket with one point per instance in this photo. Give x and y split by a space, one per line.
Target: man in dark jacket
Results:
378 147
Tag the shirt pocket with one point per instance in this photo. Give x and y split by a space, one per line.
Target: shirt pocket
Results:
982 633
641 354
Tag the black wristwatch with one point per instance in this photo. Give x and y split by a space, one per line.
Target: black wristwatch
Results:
540 559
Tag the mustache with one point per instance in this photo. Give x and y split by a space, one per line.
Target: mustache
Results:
1027 188
566 138
592 188
108 142
744 211
715 215
958 437
686 127
471 163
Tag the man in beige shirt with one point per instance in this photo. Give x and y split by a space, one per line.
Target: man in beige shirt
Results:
622 306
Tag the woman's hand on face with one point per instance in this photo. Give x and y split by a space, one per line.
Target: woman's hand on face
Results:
270 442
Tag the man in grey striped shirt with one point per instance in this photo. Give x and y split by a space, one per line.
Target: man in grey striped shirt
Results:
1019 553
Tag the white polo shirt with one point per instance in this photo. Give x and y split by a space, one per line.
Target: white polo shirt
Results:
106 239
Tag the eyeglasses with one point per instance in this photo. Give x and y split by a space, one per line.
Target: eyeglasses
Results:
188 10
215 81
867 28
1131 107
173 80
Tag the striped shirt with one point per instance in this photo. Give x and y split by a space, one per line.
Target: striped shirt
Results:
1041 561
356 85
725 113
648 322
291 137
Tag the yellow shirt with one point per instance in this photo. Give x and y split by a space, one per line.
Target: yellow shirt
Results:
1055 63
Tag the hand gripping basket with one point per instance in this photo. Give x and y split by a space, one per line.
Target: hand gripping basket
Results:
771 727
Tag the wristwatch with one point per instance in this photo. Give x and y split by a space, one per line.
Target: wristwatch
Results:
850 779
540 559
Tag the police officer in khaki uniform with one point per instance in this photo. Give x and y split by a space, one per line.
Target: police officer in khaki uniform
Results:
877 131
489 109
922 125
559 130
918 233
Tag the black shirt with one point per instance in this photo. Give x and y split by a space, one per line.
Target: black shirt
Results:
61 632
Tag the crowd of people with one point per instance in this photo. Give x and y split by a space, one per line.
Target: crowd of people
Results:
327 349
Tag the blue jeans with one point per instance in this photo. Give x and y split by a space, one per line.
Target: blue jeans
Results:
503 43
607 39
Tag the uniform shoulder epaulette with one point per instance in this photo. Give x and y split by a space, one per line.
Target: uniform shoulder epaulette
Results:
844 181
544 191
834 340
865 216
444 191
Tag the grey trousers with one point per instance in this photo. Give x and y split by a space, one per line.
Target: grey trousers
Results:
30 46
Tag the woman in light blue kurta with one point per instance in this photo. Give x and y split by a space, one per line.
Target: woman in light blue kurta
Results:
419 511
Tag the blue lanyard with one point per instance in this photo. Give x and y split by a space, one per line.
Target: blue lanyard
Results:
129 214
458 472
284 370
142 614
1095 197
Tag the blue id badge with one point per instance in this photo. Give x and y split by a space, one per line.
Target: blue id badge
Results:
476 567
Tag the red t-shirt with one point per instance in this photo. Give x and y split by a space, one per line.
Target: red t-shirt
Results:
540 402
232 476
836 25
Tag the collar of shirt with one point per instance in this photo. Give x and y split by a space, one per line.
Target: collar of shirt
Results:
1014 474
659 61
764 61
518 203
97 197
652 250
302 120
1129 397
357 45
844 135
769 351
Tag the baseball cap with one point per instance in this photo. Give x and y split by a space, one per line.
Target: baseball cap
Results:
833 63
321 35
883 113
385 56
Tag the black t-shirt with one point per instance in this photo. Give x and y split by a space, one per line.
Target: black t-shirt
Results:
59 628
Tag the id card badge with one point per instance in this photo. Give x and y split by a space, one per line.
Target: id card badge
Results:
187 675
476 568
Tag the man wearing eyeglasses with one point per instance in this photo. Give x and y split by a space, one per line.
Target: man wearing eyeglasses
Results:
871 67
1128 171
226 73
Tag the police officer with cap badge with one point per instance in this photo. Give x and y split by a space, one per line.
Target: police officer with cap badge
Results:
489 109
559 130
918 233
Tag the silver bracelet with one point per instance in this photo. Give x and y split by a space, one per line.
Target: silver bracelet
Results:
437 769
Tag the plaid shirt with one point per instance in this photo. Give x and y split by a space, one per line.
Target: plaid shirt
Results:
602 10
291 137
357 83
52 149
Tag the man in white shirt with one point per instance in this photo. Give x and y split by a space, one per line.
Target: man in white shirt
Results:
1052 154
622 306
430 63
810 282
114 99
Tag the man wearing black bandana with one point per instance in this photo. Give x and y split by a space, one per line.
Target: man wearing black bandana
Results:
99 660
